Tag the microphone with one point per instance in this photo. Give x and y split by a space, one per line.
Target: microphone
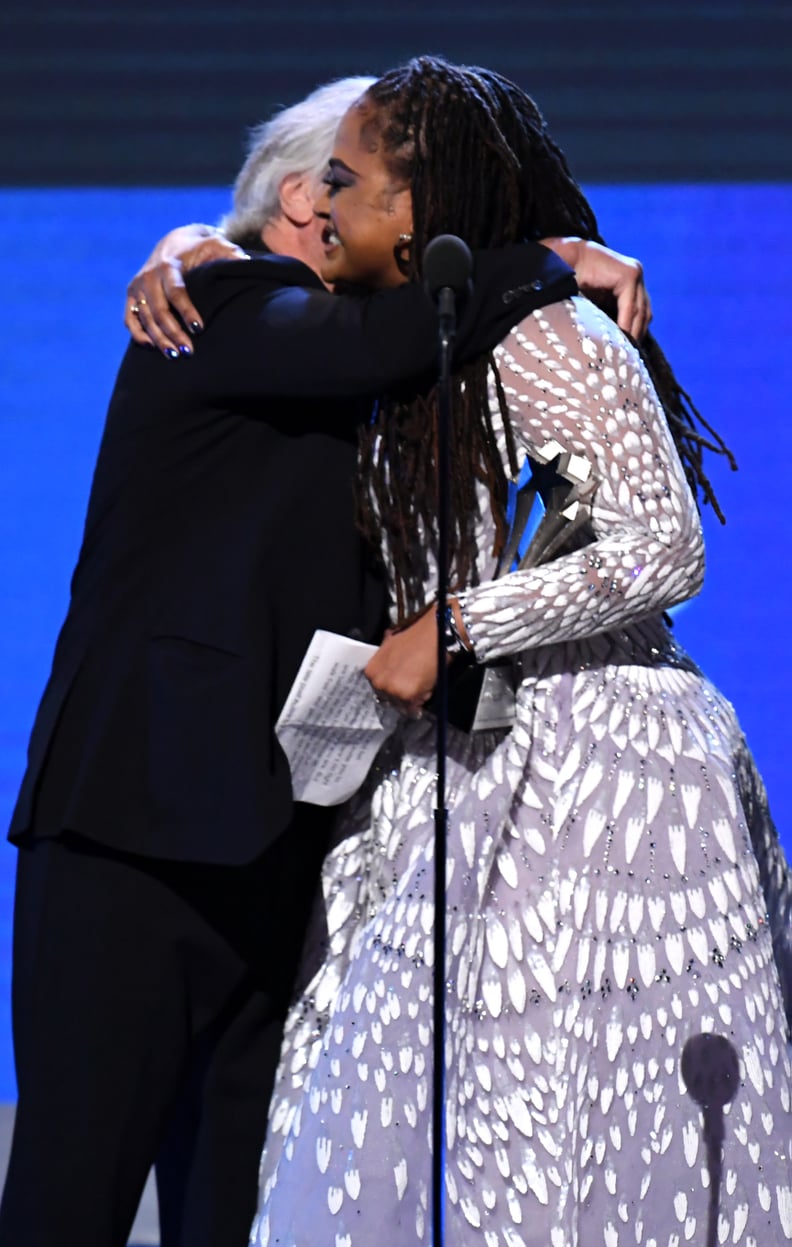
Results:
710 1070
447 267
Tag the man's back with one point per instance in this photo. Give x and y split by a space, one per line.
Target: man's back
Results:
219 535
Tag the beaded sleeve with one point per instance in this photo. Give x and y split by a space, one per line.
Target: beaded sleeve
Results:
571 378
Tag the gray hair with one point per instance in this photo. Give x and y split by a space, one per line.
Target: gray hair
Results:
296 140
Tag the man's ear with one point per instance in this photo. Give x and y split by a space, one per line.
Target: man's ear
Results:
296 198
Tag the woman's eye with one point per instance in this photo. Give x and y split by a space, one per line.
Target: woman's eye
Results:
333 183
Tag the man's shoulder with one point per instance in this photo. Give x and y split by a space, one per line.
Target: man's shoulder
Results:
262 268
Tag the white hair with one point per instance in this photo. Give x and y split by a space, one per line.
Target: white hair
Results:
296 140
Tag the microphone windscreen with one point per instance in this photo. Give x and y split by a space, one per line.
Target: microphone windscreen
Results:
447 262
710 1070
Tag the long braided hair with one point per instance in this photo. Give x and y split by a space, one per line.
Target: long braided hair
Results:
480 163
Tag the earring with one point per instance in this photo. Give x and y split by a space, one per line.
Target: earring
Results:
401 254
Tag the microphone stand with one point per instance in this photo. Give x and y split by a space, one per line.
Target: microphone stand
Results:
447 312
447 268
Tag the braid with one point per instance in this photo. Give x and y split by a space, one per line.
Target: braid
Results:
683 417
434 120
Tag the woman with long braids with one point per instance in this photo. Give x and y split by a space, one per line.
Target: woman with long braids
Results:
618 905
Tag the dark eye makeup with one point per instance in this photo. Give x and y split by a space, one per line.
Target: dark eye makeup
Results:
337 176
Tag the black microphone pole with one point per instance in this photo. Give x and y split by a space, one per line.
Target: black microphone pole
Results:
447 269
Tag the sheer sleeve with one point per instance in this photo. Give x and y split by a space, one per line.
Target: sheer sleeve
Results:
571 378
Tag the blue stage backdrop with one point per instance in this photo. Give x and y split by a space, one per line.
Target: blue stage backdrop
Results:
719 264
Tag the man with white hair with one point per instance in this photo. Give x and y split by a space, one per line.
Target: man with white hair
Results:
287 159
165 873
273 208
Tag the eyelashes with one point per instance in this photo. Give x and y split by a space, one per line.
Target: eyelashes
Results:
334 182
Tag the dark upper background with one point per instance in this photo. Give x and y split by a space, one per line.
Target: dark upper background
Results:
148 92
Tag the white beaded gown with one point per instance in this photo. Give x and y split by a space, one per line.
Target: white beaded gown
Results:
605 904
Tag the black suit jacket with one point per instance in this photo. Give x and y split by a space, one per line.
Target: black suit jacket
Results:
219 536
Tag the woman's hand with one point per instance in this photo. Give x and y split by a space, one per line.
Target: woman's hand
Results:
404 669
157 305
606 277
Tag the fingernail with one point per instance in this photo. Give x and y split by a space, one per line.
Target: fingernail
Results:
170 352
186 350
196 326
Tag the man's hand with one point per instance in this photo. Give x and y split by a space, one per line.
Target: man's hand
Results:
158 310
606 277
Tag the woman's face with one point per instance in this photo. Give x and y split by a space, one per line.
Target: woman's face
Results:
367 208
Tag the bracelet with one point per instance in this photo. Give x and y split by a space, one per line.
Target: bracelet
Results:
453 638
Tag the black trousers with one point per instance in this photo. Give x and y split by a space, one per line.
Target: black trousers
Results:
148 1004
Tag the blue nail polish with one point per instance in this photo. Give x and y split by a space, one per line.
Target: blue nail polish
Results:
170 352
186 350
196 326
